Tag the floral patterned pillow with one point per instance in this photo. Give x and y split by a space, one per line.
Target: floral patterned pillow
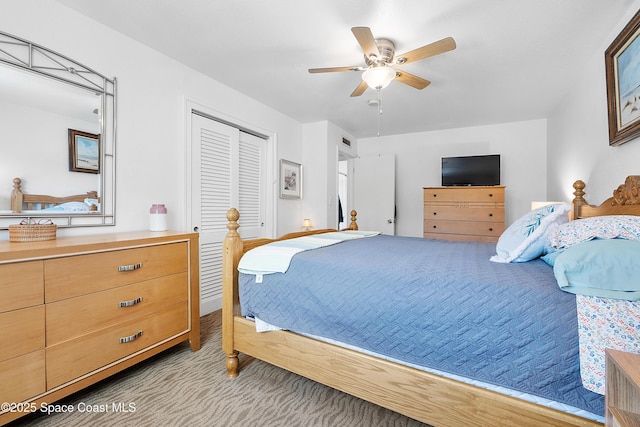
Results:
597 227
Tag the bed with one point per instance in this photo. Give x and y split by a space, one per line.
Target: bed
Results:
35 203
435 396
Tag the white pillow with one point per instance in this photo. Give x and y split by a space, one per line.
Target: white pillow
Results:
525 239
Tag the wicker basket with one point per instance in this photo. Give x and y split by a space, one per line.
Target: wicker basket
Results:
30 232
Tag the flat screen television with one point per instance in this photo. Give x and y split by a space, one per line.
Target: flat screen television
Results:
471 170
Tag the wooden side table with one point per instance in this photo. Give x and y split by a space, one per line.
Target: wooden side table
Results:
622 399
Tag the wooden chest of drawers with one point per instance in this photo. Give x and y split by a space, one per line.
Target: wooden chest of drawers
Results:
76 310
464 213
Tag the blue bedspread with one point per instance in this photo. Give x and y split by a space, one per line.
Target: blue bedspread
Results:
437 304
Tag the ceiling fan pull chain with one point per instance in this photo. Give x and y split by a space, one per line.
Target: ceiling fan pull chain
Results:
379 111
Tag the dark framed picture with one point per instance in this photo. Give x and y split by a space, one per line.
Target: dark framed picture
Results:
623 84
84 152
290 180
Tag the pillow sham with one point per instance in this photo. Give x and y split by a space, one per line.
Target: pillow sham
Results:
525 239
597 227
601 268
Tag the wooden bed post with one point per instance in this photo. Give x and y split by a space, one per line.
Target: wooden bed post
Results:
16 196
578 200
231 253
354 224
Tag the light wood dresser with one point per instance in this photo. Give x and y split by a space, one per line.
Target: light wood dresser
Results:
622 398
76 310
464 213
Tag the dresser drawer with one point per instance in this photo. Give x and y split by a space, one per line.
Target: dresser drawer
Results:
461 237
78 275
21 331
22 377
81 315
478 228
77 357
21 285
468 194
464 213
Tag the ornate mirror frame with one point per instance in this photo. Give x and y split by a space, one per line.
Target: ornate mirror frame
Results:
37 60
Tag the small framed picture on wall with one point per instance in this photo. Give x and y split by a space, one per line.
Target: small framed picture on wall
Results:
290 180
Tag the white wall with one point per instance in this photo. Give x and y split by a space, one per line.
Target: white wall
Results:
578 141
322 144
522 147
152 93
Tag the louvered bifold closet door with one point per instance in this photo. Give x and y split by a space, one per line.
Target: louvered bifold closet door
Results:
250 179
217 143
227 171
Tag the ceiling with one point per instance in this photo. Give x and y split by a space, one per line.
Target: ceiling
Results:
515 59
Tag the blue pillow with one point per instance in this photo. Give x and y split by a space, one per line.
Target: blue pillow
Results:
525 239
550 257
601 268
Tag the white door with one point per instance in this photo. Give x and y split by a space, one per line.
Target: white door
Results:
374 192
227 171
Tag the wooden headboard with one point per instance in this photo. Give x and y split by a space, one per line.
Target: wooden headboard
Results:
21 201
625 200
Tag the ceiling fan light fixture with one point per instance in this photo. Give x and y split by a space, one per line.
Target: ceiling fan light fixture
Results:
379 77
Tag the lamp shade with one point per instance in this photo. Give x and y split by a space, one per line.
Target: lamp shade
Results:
306 224
379 77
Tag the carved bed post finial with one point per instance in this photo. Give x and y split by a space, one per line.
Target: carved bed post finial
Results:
16 196
233 216
354 224
579 186
578 200
231 253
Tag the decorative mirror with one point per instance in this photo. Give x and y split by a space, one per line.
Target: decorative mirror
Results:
58 138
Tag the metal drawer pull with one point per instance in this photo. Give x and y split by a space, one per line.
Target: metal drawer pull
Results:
130 267
130 302
133 337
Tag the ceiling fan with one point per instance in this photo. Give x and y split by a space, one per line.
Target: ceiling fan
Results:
379 57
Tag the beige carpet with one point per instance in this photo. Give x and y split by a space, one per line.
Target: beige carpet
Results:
182 388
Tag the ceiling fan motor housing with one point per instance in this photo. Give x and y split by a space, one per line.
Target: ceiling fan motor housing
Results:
387 50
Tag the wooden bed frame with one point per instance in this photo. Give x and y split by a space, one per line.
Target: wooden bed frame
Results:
424 396
35 201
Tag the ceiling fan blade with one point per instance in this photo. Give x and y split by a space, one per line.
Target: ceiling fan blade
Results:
360 89
435 48
411 80
366 40
334 69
